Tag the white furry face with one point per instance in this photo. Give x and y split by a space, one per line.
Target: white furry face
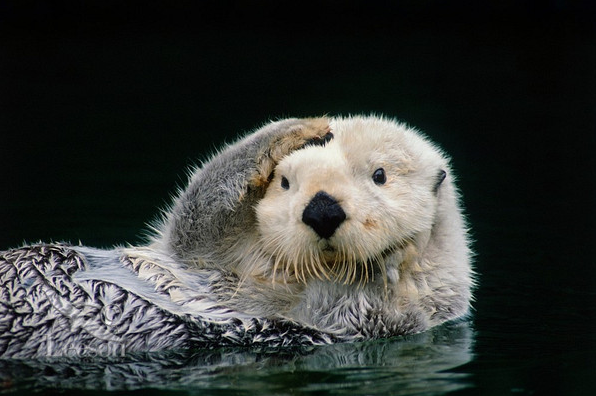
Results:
335 212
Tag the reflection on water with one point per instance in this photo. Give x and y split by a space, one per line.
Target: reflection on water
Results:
418 364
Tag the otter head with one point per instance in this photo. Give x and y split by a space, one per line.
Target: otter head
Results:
337 212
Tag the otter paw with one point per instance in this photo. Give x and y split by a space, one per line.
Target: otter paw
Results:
306 132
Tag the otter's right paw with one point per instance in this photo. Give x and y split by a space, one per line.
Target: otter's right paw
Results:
305 132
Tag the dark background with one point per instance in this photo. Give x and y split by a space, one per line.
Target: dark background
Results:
104 105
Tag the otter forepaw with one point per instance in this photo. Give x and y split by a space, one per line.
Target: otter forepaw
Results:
319 140
305 132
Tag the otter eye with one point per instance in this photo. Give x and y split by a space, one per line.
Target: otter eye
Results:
285 184
379 176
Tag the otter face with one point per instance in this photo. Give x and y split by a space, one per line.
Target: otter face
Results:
335 212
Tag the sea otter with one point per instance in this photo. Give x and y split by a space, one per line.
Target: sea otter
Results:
307 231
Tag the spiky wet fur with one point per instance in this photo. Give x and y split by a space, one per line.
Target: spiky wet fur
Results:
232 263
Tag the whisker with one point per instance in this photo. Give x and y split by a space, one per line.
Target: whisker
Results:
343 274
314 263
276 263
324 266
364 279
305 263
352 273
338 261
295 265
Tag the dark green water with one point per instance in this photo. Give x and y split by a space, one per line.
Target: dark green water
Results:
103 107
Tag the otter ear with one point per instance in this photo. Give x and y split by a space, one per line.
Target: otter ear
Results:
439 180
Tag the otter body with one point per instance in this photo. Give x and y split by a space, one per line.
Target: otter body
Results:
308 231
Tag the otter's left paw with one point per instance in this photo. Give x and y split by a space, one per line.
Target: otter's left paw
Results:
305 132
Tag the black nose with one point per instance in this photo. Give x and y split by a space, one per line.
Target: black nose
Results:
323 214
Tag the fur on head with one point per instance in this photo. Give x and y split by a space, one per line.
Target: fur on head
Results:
336 212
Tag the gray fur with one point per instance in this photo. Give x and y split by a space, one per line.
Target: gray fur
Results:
56 302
